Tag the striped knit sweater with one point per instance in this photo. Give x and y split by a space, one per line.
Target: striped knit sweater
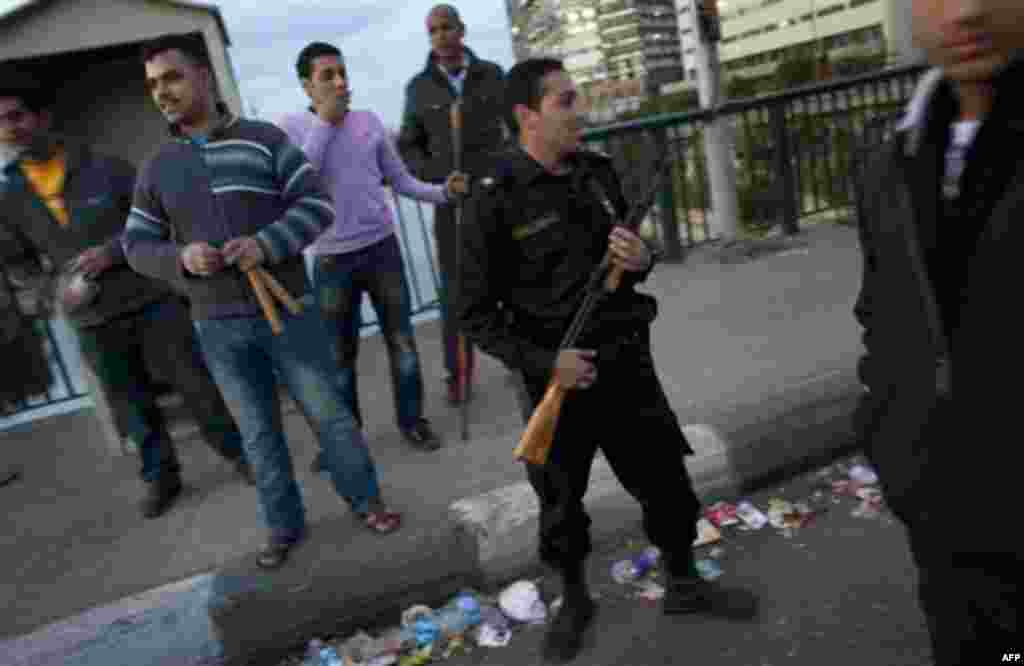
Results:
248 179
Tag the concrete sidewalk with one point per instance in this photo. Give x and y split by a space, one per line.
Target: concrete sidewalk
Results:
762 353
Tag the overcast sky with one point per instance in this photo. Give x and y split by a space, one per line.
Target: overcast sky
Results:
384 43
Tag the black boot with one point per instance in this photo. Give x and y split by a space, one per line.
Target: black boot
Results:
160 494
565 635
686 592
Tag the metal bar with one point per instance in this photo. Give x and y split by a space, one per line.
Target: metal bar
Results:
784 166
703 184
679 145
670 242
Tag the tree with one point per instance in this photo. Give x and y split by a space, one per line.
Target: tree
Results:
740 87
680 102
797 68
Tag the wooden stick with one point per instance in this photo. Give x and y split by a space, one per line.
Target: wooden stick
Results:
279 292
266 302
463 346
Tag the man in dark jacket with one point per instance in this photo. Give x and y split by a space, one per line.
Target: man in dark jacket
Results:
64 205
535 232
425 142
940 213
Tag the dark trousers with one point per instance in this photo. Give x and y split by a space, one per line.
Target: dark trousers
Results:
339 282
627 416
973 604
447 257
129 354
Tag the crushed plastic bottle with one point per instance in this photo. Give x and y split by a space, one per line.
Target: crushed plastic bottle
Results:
327 656
521 602
461 614
708 569
494 629
636 567
863 474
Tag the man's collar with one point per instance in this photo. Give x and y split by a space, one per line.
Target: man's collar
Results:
462 68
469 58
528 170
75 153
226 120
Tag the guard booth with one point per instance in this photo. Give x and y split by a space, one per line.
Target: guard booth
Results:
89 50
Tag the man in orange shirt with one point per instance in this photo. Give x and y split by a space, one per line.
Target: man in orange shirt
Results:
63 207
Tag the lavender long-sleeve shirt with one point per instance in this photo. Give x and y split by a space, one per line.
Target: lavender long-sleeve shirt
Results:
353 159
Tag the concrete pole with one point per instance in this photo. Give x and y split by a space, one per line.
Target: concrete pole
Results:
899 33
718 144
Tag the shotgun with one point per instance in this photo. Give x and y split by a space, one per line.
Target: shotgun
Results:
535 443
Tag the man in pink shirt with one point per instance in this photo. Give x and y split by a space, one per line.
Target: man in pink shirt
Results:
359 252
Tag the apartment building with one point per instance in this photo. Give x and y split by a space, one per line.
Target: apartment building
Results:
758 34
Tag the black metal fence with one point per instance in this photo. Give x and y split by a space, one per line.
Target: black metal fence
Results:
795 153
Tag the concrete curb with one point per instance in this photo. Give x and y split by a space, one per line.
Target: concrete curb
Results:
338 585
744 447
165 626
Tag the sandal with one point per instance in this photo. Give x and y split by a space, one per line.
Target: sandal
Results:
380 521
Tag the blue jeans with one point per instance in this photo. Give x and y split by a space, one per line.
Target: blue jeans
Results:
339 281
243 355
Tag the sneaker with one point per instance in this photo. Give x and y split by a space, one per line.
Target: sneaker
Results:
160 494
275 553
696 595
564 639
422 436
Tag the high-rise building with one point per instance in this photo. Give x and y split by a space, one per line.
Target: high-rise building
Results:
758 34
617 51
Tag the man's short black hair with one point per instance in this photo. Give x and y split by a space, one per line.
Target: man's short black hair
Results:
191 44
304 65
22 85
524 84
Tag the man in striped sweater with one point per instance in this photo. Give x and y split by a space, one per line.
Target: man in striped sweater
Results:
225 195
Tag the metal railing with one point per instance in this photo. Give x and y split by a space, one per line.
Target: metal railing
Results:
65 385
796 154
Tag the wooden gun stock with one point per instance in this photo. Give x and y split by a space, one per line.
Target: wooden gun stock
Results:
535 444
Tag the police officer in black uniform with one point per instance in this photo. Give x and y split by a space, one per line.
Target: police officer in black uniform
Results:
534 233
